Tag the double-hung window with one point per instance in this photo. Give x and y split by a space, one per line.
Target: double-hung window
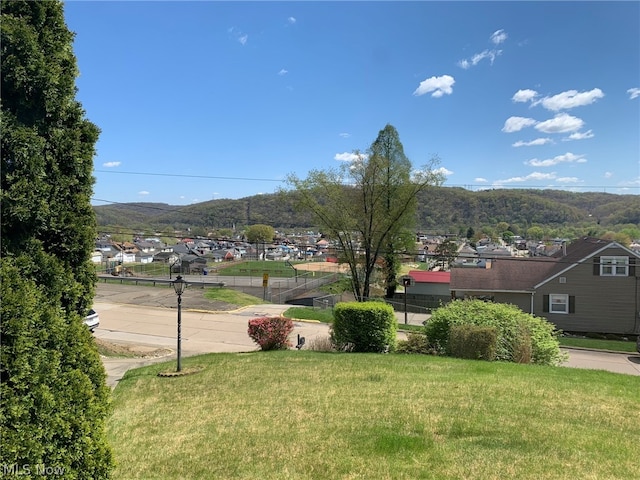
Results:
614 266
558 303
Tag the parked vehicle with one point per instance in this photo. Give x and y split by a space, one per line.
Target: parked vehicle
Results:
92 320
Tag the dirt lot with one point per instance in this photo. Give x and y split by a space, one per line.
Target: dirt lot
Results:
158 296
323 267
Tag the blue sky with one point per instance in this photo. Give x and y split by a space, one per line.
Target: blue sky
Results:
207 100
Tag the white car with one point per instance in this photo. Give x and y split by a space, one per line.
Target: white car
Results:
92 320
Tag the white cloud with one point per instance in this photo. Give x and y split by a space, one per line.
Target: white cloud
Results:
349 157
570 99
633 93
567 180
143 192
524 95
480 180
631 183
579 136
443 171
608 174
499 36
291 20
561 123
550 162
111 164
478 57
515 124
238 35
537 141
438 85
344 135
283 72
532 176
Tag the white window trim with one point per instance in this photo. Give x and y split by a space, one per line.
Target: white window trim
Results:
559 296
613 263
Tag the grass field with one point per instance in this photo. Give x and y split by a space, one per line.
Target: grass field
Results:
597 344
255 268
232 296
309 415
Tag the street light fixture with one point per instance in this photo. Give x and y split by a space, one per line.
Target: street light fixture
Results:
179 285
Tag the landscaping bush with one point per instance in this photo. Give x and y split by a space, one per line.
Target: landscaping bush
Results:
271 333
321 344
364 327
415 343
473 342
522 349
512 327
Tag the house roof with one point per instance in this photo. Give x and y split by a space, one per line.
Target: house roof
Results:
422 276
526 274
505 274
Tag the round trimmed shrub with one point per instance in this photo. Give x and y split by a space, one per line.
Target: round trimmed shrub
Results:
520 336
271 333
364 327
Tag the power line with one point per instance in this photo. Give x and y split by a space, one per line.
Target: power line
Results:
465 186
156 174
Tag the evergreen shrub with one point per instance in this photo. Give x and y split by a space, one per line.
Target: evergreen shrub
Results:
364 327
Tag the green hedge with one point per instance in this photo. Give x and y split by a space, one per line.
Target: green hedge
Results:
473 342
520 336
364 327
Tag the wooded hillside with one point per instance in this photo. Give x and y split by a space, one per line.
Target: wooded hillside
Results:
441 209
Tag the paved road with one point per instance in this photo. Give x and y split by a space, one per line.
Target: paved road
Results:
154 325
201 332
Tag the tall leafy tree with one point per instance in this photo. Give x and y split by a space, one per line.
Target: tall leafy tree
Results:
260 234
387 153
54 400
365 205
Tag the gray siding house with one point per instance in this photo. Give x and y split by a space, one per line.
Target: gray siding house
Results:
591 285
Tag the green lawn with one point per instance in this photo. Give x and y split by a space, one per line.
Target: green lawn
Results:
234 297
256 268
614 345
310 415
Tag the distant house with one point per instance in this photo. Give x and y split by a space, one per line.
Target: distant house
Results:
144 257
430 290
96 256
590 285
430 283
192 264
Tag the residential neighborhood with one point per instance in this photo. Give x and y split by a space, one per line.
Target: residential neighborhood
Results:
588 285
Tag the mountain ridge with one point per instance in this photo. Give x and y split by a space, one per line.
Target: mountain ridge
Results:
439 208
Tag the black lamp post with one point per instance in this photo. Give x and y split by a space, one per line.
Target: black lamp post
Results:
179 285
